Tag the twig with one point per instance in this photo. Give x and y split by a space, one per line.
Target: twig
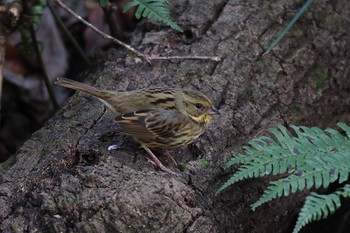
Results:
70 36
109 10
104 35
35 43
42 67
186 58
145 57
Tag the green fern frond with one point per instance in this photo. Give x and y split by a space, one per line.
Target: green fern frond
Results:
345 128
153 9
313 174
344 191
313 158
319 170
315 207
318 206
325 150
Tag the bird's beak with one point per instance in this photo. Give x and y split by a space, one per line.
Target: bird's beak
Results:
213 111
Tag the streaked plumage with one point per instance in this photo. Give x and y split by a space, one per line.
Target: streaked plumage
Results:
155 117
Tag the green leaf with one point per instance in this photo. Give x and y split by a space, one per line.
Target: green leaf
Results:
313 158
102 3
203 161
153 9
36 10
289 26
319 206
42 2
345 128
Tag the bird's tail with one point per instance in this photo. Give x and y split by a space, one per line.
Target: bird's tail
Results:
108 98
78 86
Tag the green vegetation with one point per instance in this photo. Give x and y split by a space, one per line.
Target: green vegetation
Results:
314 158
289 26
153 9
319 77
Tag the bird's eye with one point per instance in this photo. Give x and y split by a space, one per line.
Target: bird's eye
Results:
199 106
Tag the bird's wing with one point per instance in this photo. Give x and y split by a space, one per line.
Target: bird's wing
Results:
152 125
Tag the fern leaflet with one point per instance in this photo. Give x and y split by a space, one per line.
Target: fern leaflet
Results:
153 9
313 158
319 206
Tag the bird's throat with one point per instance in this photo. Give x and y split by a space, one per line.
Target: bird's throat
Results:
202 119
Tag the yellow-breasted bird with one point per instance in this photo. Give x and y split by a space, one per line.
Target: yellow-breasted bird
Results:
155 117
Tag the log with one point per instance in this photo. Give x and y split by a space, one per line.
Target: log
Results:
64 179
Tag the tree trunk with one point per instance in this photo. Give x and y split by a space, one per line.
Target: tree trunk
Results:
64 179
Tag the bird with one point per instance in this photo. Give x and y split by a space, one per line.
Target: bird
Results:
156 117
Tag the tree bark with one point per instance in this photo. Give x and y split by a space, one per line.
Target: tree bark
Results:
64 179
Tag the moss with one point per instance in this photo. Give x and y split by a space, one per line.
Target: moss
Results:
296 32
182 168
319 77
296 108
17 225
262 62
297 112
50 206
4 166
203 162
332 22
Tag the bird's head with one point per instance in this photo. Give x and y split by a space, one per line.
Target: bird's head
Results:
198 106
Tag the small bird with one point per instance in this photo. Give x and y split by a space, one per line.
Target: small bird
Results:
155 117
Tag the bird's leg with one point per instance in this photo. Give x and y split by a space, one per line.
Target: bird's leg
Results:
167 154
156 160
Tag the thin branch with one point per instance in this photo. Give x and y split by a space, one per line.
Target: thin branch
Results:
185 58
35 43
42 67
145 57
109 10
102 34
69 34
